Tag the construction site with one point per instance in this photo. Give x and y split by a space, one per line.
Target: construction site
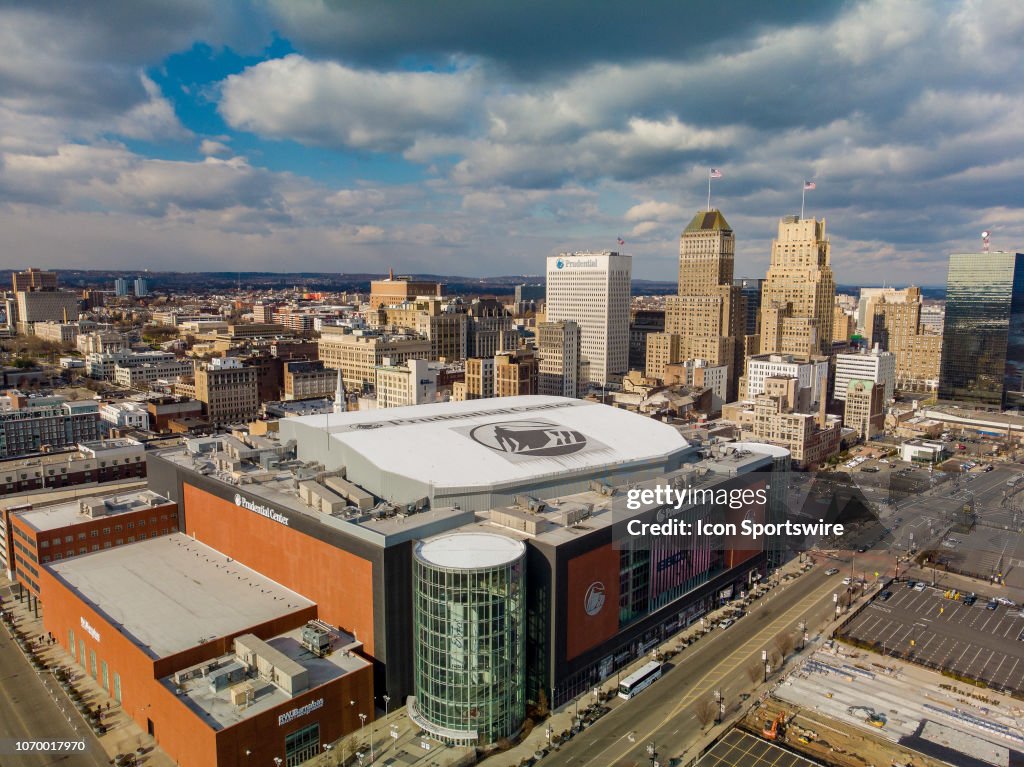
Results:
843 706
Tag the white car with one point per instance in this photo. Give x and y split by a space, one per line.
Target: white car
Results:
920 587
847 581
726 623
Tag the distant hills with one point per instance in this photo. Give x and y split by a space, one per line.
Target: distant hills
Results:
219 282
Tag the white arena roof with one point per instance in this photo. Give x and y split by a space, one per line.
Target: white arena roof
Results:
484 443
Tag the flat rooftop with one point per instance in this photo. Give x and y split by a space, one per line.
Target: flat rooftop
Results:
171 593
505 440
219 712
73 512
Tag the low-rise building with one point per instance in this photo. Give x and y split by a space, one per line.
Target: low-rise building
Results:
414 382
163 410
874 365
31 424
106 460
56 332
125 415
308 379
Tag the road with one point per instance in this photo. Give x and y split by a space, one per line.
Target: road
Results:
27 712
664 715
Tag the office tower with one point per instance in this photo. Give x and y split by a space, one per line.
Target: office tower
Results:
867 296
593 290
229 390
875 365
707 313
843 325
141 287
799 292
865 407
33 279
479 383
489 329
515 373
45 306
750 290
642 322
983 335
893 321
122 287
558 350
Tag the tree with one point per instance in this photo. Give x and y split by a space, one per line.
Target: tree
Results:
784 643
755 672
704 710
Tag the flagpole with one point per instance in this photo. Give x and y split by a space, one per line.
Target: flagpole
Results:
803 198
709 190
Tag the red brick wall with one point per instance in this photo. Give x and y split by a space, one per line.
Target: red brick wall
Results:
339 582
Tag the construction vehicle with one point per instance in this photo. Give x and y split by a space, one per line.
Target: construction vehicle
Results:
870 715
777 727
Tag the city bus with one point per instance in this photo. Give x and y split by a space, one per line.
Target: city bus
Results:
640 680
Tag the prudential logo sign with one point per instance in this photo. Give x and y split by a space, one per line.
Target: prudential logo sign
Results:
559 264
258 508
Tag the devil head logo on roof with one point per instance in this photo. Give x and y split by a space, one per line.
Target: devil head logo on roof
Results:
533 438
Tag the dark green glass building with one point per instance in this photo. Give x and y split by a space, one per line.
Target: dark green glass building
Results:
983 336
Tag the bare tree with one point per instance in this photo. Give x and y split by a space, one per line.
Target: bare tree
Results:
755 671
784 643
704 710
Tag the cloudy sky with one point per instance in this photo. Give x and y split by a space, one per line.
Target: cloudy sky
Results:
475 139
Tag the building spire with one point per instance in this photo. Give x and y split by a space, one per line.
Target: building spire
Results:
339 395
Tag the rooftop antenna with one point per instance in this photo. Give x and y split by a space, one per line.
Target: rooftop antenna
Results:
984 242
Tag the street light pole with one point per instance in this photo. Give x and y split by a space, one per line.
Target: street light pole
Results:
764 660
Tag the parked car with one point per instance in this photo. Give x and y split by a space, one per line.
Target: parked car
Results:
911 584
992 605
847 581
920 586
885 594
831 571
726 623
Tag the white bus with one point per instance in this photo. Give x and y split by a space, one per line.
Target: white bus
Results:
640 680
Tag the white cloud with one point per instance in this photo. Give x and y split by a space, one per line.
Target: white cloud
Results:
210 147
328 104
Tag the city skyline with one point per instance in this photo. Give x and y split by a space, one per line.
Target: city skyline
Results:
249 137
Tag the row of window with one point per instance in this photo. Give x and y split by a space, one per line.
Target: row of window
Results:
56 556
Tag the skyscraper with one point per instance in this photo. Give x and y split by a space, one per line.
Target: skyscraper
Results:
799 293
983 335
558 352
704 320
593 290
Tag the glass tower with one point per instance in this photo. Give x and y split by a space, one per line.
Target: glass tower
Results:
983 335
469 624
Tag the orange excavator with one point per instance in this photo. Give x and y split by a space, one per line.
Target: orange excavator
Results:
777 727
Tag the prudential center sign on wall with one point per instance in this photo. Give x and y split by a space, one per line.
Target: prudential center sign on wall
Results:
259 508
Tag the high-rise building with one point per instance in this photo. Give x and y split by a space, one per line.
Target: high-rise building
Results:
229 390
844 325
558 350
865 407
750 290
46 306
799 292
33 279
893 321
479 383
875 366
706 315
122 286
983 336
811 376
593 290
489 329
515 373
141 287
643 322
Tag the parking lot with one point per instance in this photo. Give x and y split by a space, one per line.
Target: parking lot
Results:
928 628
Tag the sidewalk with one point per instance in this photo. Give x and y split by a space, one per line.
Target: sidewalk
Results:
123 735
561 721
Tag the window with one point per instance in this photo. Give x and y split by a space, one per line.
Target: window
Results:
44 544
117 528
95 534
71 643
106 531
119 541
95 547
302 745
81 536
117 687
68 538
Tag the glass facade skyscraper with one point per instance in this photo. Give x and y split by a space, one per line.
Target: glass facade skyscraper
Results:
983 334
